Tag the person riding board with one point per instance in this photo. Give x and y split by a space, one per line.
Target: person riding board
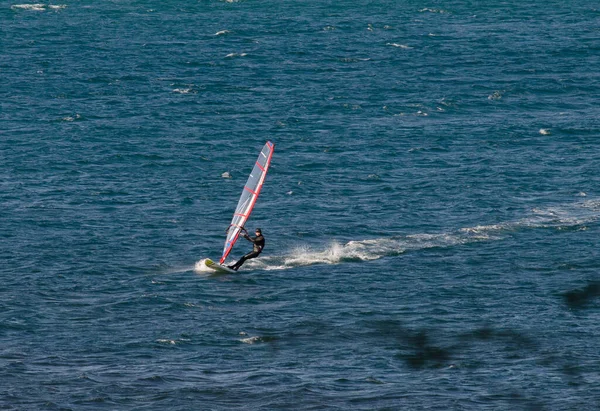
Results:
259 244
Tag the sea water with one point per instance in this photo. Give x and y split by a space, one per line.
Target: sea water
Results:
431 213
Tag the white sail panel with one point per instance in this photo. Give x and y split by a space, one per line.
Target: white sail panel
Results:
248 198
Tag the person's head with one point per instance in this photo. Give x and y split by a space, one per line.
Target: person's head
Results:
257 231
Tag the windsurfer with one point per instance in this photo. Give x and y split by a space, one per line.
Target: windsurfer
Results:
259 244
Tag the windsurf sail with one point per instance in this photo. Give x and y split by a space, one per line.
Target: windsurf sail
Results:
248 198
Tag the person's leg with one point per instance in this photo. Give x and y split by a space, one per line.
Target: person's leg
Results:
232 266
242 260
238 264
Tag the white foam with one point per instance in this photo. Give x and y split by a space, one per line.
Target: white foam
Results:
222 32
483 230
373 249
201 267
560 217
591 204
563 217
334 253
424 241
306 256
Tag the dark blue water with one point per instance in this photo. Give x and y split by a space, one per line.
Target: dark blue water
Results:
432 211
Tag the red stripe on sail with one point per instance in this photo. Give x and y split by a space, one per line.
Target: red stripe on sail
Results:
250 190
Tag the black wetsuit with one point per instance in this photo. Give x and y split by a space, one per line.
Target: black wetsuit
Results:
259 244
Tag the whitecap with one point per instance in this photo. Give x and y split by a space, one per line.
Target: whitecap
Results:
222 32
544 131
166 341
401 46
251 340
430 10
496 95
33 7
71 118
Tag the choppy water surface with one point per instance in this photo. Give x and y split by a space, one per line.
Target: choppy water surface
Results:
431 213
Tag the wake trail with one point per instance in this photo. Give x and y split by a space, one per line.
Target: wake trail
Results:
570 217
